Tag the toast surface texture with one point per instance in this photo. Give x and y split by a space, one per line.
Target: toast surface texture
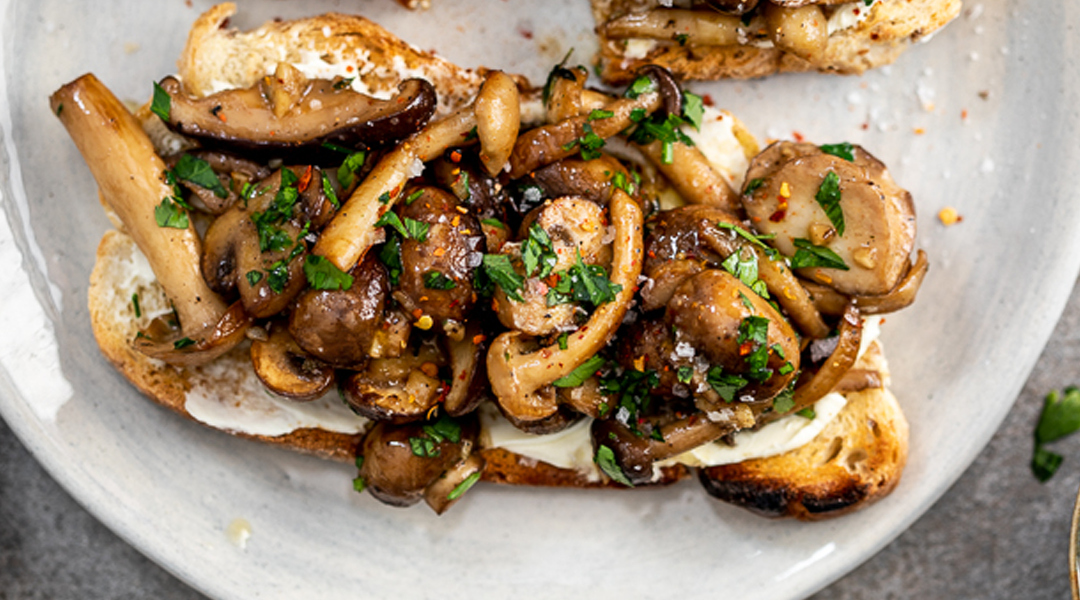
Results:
216 56
857 459
890 28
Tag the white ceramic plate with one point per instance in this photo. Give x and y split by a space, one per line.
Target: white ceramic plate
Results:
999 281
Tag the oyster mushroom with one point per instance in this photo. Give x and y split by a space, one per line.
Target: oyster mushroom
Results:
269 121
701 28
800 30
131 177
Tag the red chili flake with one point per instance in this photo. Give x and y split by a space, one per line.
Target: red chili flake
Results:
746 348
964 114
865 126
455 156
707 100
652 254
305 180
478 339
525 33
418 313
778 216
798 136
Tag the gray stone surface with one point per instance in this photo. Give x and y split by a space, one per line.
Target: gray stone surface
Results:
997 534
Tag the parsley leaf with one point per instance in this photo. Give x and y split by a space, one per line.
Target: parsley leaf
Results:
828 196
170 214
493 223
198 171
685 374
641 85
842 150
390 255
444 428
328 190
390 218
253 277
578 376
434 280
538 251
277 276
1060 417
605 459
498 268
633 389
753 185
417 230
784 402
182 343
135 305
583 283
806 413
725 384
598 114
693 109
348 169
743 264
590 143
423 447
809 255
324 275
161 105
464 486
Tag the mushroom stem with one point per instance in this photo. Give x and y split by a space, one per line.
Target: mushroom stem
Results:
131 178
831 302
517 377
839 363
498 119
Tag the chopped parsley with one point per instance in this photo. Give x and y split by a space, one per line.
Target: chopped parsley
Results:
725 384
161 105
183 342
1060 417
666 129
753 185
384 198
754 335
562 340
390 218
605 459
684 374
842 150
681 38
322 274
806 413
253 277
632 390
743 264
584 371
417 230
433 433
598 114
784 402
498 269
413 196
198 171
464 486
271 237
328 190
346 173
170 214
828 196
618 179
538 252
409 228
693 109
559 71
583 283
590 143
493 223
641 85
434 280
277 276
390 256
809 255
135 305
343 83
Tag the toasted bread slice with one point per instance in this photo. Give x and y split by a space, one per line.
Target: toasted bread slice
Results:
857 459
878 39
120 282
124 297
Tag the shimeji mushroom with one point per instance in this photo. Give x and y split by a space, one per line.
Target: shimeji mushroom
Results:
132 180
353 229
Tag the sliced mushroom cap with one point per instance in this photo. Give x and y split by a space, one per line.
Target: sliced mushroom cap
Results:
245 120
340 326
573 226
445 491
401 461
399 390
287 370
166 342
437 271
878 216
